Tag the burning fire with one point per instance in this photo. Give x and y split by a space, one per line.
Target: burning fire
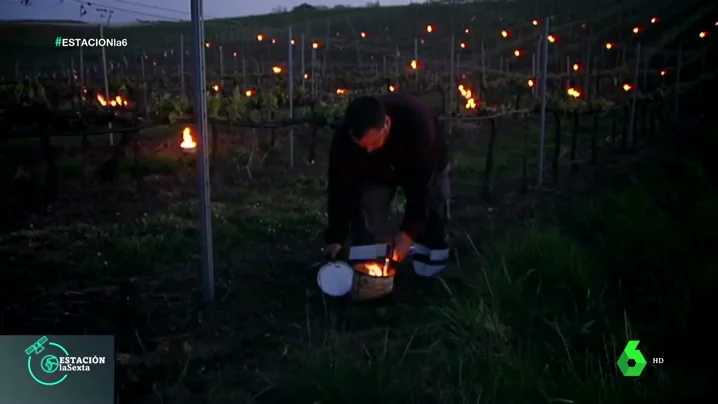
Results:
341 91
187 142
118 101
466 92
573 92
414 64
373 269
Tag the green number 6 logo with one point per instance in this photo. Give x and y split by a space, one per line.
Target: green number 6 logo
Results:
630 352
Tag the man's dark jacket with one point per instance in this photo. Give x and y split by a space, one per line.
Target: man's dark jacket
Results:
414 153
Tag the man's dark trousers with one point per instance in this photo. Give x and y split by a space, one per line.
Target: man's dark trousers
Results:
371 228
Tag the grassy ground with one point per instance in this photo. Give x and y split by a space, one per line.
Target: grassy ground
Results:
541 315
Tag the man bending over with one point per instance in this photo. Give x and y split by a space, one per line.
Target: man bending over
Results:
395 140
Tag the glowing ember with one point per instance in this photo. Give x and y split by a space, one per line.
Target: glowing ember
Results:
517 52
187 142
392 88
505 34
215 87
260 37
463 45
551 38
414 64
573 92
535 22
429 29
627 87
576 67
342 91
609 45
530 83
276 69
249 93
315 45
363 34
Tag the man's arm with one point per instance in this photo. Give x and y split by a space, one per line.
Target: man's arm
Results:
341 191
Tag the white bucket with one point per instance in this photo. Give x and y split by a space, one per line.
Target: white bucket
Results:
335 278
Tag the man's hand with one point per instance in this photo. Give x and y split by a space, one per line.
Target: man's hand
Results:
402 246
332 250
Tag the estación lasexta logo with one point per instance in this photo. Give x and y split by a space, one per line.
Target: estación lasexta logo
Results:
43 362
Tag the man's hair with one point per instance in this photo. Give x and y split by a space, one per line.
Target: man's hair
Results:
363 114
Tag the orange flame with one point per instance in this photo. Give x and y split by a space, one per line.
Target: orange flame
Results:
118 101
187 142
573 92
468 95
373 269
342 91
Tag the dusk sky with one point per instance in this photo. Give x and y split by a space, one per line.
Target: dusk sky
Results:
131 10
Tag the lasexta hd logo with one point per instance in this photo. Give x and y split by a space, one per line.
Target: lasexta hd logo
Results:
631 362
49 363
